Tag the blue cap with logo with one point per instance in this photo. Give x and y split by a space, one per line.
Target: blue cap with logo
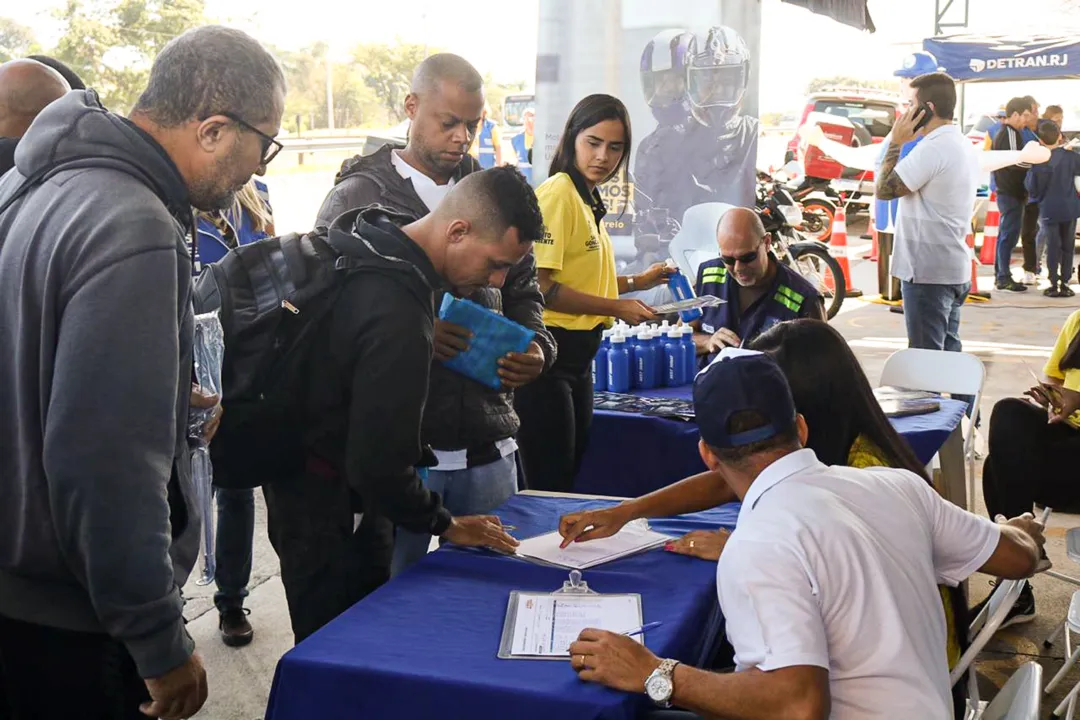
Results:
918 63
736 381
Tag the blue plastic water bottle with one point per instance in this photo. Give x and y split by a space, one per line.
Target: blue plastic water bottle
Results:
600 369
656 340
674 359
618 365
644 360
682 290
690 355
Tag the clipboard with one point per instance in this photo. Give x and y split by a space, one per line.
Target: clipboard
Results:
577 596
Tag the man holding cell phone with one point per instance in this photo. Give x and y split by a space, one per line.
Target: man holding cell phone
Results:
935 184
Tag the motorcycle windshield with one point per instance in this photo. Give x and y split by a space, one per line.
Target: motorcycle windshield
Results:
663 87
716 86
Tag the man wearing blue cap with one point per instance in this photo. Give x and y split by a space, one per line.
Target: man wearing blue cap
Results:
829 583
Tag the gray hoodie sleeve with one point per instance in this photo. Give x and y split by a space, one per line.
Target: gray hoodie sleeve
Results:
111 435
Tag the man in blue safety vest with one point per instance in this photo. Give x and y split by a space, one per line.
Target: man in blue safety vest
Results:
487 149
757 290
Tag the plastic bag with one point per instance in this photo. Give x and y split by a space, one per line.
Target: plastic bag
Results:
209 349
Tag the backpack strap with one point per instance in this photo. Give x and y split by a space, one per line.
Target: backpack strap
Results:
44 174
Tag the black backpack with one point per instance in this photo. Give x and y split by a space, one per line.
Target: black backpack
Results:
271 296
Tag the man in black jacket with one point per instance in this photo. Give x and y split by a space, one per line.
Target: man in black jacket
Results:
369 381
470 427
1011 194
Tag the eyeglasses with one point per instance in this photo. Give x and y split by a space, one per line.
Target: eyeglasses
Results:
744 259
270 146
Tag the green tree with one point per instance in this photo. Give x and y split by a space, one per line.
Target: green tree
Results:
387 70
16 40
111 44
824 83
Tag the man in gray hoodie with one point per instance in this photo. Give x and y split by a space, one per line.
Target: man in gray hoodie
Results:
99 526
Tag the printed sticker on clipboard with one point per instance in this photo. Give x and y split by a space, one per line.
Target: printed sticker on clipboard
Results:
689 304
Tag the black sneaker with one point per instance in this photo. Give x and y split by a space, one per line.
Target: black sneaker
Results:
1011 286
236 631
1052 291
1023 610
1066 291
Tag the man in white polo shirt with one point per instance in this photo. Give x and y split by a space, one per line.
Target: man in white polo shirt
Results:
828 584
935 184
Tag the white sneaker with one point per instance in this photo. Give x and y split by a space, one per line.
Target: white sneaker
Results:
1030 279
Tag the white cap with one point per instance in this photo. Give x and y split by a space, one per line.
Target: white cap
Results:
607 333
618 338
665 324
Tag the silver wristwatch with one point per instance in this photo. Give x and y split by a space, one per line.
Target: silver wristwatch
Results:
660 686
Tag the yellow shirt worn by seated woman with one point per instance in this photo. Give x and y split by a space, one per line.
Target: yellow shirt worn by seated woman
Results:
1070 378
576 248
863 454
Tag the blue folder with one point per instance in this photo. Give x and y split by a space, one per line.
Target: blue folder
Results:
493 337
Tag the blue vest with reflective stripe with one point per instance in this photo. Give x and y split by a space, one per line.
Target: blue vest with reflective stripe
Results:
789 297
485 145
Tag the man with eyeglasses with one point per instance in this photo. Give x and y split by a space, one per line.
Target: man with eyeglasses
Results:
758 291
99 517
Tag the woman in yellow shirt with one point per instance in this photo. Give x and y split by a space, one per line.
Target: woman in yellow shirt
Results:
576 268
1034 457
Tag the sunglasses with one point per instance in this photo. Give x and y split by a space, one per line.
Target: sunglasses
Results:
744 259
270 146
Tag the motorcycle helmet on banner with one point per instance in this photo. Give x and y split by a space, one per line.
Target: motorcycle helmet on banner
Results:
717 76
663 75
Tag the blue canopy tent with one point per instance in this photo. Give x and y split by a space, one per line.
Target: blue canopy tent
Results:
998 58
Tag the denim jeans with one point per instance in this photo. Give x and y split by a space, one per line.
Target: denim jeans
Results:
1060 248
932 316
232 551
1012 221
1040 247
474 491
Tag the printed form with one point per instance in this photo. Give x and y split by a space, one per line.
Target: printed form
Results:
546 625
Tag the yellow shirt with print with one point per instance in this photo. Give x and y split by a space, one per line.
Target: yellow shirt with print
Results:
865 454
1070 378
578 253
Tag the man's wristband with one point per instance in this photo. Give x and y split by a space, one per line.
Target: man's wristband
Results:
629 283
441 522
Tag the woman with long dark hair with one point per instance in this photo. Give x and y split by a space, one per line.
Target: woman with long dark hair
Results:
1034 448
576 268
846 427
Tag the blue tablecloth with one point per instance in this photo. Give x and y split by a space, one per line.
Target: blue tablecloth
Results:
630 455
424 646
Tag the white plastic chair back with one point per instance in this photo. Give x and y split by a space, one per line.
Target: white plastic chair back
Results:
1072 544
956 373
983 627
1020 698
696 240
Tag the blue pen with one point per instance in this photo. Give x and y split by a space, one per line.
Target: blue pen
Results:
643 628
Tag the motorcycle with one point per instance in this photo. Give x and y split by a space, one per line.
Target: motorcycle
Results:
781 215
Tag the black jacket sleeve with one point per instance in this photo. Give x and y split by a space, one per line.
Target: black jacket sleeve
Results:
392 355
350 193
524 304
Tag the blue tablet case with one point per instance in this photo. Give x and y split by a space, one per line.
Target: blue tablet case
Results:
493 337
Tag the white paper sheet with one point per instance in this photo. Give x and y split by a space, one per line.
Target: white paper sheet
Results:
635 537
546 625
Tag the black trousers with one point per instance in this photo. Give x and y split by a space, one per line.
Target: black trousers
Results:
1029 231
52 674
1029 461
556 413
326 565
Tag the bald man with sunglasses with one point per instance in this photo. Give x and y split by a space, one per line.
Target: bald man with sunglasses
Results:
758 290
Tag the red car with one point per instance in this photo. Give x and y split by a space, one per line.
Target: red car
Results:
871 112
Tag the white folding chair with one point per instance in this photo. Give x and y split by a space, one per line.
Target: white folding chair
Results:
983 627
1019 699
956 373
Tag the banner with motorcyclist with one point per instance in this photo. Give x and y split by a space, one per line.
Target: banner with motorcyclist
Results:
685 70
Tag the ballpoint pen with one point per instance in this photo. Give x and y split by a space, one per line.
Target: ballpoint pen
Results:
642 629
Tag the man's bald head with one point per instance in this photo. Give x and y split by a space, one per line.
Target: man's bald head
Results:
445 68
26 87
744 245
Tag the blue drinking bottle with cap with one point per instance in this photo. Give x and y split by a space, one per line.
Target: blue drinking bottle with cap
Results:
644 360
682 290
690 355
656 341
674 359
600 369
618 365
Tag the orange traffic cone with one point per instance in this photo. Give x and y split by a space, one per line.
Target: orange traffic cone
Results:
838 248
990 232
974 292
872 256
